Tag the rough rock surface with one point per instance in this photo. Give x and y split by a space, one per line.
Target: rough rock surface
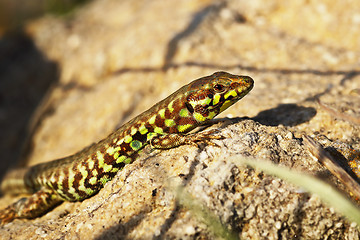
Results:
114 59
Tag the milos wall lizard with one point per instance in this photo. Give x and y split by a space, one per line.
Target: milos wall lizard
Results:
165 125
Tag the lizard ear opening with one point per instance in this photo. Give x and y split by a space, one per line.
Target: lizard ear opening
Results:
189 107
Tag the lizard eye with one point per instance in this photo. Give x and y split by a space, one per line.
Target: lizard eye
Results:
189 107
219 88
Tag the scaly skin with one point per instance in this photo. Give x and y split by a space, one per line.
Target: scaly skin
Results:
163 126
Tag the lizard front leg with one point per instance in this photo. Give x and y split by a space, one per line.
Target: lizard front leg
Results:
30 207
172 140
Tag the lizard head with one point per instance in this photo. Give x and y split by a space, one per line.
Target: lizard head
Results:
198 102
211 95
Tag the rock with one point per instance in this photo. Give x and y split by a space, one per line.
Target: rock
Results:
118 58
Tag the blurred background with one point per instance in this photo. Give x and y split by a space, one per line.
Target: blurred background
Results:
25 73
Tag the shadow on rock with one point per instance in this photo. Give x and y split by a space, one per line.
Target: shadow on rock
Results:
25 78
285 114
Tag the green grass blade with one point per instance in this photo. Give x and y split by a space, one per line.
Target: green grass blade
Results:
326 193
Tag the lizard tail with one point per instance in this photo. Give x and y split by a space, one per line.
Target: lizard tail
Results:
13 182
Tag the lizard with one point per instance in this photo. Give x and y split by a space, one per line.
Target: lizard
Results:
167 124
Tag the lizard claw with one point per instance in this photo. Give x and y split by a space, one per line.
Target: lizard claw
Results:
7 215
204 137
